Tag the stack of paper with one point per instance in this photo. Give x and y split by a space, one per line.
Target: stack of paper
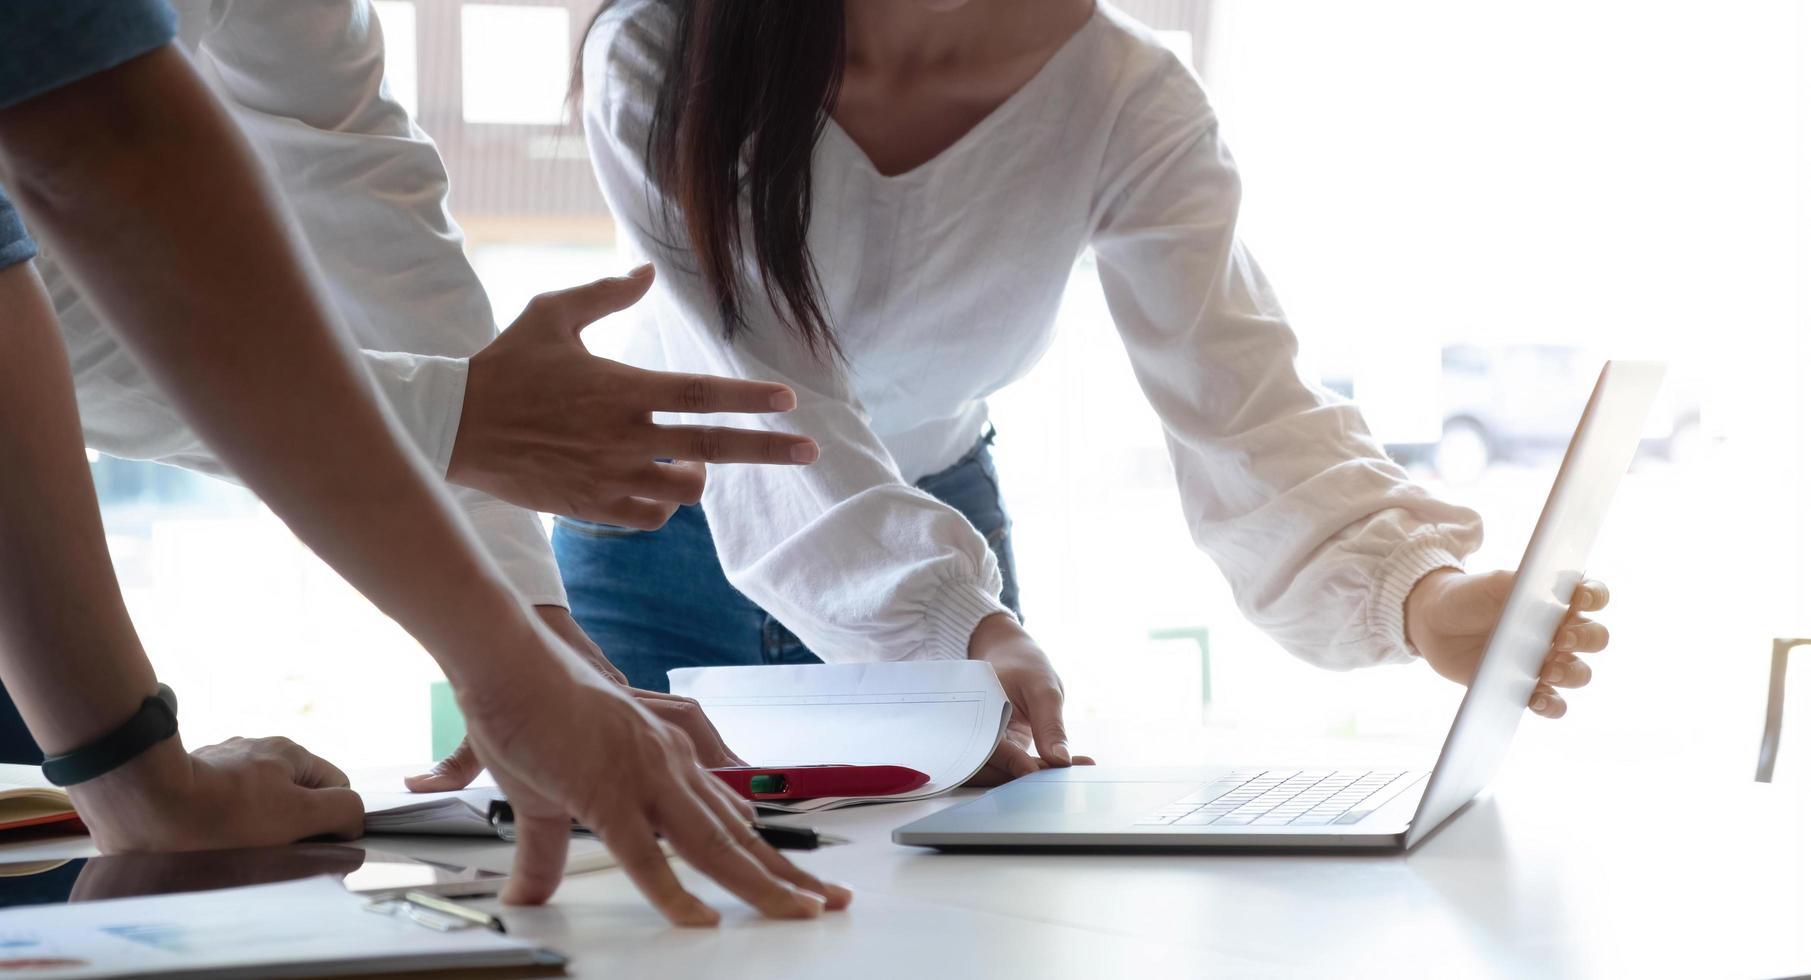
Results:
309 927
424 821
941 717
464 812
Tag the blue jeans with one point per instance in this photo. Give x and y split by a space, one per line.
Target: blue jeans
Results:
656 600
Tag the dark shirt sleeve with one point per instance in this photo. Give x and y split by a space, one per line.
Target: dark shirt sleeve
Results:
47 44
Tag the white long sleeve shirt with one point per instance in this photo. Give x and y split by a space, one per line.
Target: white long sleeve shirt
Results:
367 190
942 286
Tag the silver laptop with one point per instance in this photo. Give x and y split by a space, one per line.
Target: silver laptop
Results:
1327 807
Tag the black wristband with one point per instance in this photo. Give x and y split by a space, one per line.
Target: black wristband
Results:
154 721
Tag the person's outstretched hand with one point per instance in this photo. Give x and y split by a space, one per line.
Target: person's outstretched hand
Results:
548 426
457 770
1036 693
1449 616
565 743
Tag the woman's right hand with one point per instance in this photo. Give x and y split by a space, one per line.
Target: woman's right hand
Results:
1036 693
564 743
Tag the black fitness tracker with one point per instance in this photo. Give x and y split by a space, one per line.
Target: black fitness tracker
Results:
154 721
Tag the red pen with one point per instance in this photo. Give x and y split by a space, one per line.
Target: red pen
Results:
810 782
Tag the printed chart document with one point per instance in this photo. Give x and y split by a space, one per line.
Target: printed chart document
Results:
940 717
306 928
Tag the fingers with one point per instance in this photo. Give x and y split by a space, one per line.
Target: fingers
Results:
732 810
608 669
703 394
540 858
718 848
333 812
456 771
571 310
1590 596
1044 713
1013 761
1582 635
310 770
322 774
631 840
559 619
680 483
741 810
720 444
685 715
635 513
1566 670
1546 702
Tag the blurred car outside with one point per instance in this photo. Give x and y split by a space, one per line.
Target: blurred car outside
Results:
1517 403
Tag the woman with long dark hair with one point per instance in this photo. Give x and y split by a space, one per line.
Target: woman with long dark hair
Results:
879 202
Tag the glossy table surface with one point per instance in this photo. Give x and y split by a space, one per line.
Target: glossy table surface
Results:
1657 870
1545 876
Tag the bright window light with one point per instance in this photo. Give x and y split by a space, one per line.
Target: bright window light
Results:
516 63
397 18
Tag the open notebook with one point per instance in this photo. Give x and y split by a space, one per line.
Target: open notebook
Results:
27 799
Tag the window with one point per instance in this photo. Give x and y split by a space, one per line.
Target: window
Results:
516 63
1462 210
398 20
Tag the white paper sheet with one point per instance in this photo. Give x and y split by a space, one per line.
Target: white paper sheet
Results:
464 812
421 824
940 717
309 927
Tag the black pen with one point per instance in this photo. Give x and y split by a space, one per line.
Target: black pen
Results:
776 836
793 838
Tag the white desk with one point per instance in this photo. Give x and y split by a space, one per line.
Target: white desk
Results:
1549 876
1542 878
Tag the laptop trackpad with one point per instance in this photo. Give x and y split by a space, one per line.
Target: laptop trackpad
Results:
1071 806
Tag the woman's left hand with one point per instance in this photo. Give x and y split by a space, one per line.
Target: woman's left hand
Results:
1449 616
1034 737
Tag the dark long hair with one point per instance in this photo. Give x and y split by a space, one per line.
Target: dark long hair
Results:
747 90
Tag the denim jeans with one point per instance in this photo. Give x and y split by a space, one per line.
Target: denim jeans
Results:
656 600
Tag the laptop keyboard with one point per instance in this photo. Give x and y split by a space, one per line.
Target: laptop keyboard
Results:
1280 797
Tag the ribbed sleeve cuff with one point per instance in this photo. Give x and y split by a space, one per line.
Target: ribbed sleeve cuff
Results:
1404 567
954 613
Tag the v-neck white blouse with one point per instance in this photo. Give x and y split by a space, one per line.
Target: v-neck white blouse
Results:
942 286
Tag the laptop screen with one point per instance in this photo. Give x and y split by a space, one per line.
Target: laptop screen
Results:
1602 448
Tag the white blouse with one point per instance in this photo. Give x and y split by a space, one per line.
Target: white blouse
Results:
942 286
